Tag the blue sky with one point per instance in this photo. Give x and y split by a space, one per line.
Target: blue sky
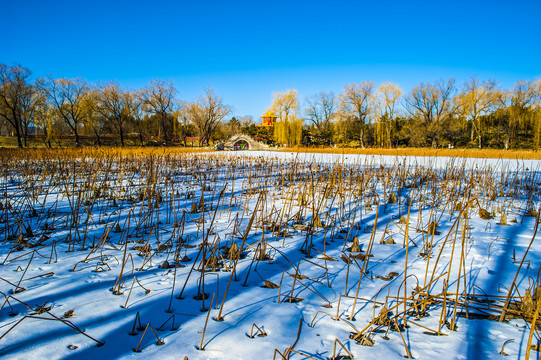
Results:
247 50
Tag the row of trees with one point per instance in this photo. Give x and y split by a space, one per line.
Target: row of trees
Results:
74 107
478 113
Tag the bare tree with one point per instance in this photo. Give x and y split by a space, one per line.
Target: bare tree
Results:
15 93
246 120
321 109
207 113
159 99
116 105
432 104
67 96
357 102
29 107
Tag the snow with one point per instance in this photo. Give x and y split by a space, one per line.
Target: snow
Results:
83 277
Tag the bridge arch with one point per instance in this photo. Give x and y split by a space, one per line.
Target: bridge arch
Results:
242 142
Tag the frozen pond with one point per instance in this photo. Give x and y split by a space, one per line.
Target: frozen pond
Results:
233 255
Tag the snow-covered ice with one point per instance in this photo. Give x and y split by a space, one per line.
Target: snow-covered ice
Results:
63 297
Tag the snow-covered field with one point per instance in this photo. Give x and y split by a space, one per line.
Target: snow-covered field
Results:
259 255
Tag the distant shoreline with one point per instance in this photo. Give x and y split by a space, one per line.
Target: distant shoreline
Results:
463 153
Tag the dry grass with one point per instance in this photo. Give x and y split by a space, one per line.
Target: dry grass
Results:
91 152
462 153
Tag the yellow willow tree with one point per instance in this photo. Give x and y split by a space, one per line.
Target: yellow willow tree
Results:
475 101
288 130
537 113
523 101
44 116
388 96
94 122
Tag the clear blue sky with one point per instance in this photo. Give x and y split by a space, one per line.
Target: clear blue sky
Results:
247 50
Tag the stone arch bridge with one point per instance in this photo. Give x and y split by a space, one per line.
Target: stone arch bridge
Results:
241 142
